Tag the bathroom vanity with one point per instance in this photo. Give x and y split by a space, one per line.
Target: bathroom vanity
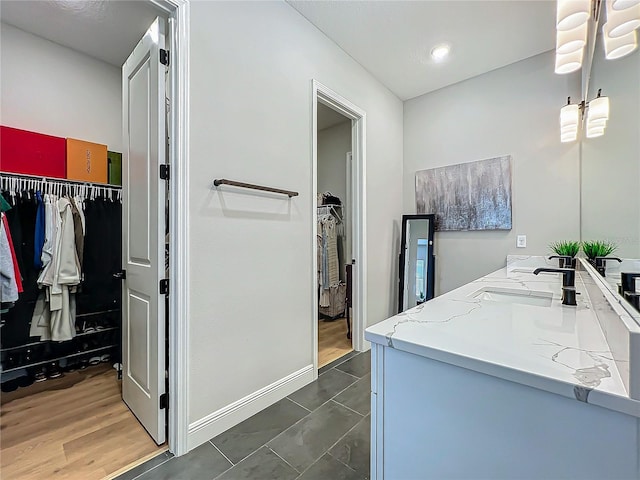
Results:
498 379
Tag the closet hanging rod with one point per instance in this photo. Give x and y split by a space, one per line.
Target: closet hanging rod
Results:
54 179
224 181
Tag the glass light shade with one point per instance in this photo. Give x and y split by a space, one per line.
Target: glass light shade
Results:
569 62
623 4
598 122
594 132
568 41
572 13
569 116
598 108
620 46
569 137
622 22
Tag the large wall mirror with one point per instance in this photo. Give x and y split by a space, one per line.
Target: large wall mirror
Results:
417 268
610 197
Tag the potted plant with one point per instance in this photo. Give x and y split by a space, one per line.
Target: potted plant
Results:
566 249
598 248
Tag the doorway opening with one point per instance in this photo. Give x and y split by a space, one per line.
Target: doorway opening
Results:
338 225
70 400
334 235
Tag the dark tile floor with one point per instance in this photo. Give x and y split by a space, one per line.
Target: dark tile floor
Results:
320 432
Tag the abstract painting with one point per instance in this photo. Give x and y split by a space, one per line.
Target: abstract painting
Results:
468 196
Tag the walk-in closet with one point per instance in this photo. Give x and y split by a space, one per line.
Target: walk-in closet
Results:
66 326
334 236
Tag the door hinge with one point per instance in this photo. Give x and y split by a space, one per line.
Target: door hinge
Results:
164 286
164 57
165 172
164 401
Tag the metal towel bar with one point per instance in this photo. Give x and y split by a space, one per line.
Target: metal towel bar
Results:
224 181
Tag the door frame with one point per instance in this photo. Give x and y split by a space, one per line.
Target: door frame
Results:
324 95
177 13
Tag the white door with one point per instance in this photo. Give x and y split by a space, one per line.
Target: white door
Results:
143 308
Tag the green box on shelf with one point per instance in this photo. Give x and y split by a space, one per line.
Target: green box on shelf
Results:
114 166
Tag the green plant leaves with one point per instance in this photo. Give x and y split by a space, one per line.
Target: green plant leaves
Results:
565 248
592 249
598 248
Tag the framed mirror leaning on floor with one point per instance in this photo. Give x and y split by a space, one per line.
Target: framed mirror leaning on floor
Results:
417 262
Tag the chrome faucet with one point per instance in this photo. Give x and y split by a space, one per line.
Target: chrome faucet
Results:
568 283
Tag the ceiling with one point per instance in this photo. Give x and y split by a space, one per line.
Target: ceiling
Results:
327 117
393 39
106 30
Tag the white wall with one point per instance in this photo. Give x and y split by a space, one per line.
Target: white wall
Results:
611 163
333 145
251 254
54 90
510 111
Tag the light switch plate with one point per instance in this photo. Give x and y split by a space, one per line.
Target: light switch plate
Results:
521 241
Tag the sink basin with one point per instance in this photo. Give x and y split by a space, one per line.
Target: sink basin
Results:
521 297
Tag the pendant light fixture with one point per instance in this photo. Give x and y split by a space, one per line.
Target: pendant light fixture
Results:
624 4
620 37
569 41
572 30
572 23
572 14
622 21
618 47
571 116
569 120
569 62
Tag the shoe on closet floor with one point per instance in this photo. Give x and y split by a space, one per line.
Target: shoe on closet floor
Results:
88 327
40 375
9 386
54 371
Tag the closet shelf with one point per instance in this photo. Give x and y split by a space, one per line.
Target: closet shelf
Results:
50 360
44 342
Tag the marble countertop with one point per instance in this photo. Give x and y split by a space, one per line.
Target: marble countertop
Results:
557 348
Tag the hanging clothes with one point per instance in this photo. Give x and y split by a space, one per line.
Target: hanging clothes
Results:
21 219
14 259
329 267
4 205
47 248
332 291
39 238
78 232
8 285
55 312
101 256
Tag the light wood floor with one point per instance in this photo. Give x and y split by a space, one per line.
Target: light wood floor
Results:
332 340
78 428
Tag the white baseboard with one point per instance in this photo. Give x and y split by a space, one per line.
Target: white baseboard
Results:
221 420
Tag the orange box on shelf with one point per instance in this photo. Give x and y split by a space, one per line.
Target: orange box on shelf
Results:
86 161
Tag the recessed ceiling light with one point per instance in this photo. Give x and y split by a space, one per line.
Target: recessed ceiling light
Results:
440 52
